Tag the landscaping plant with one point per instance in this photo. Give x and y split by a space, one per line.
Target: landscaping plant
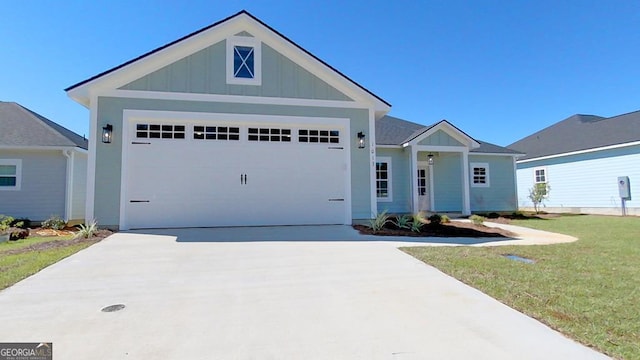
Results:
537 194
403 222
476 219
54 222
379 221
86 230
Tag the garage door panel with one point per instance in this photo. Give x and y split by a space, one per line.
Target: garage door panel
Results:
192 183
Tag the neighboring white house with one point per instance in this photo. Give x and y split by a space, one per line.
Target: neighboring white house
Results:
43 167
235 124
584 159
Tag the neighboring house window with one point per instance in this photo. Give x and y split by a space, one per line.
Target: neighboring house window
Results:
10 174
244 61
539 175
479 174
383 179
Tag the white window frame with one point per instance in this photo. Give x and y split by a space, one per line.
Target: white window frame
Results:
234 41
18 164
473 166
546 175
387 160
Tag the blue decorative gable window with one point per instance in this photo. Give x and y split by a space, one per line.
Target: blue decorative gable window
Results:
244 60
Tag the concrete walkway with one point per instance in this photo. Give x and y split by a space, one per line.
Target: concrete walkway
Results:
195 295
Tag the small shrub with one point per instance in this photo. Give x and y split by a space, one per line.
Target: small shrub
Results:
493 215
435 219
5 223
403 222
17 233
417 222
445 219
476 219
538 194
22 223
86 230
379 221
54 222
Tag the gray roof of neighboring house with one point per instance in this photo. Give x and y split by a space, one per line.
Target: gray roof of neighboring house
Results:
20 126
580 132
394 131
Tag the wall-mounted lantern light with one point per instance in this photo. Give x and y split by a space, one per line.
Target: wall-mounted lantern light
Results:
430 159
107 132
361 140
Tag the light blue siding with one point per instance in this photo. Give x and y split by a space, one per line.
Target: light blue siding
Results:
501 194
43 185
205 73
440 138
447 182
110 110
585 182
400 181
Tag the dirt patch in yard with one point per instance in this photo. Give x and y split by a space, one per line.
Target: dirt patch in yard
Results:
451 229
56 243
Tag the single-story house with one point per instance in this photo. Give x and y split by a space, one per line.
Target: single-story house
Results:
235 124
43 167
591 163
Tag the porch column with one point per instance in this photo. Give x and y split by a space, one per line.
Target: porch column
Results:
414 179
466 199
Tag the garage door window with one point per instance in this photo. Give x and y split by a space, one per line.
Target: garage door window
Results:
269 134
216 133
160 131
319 136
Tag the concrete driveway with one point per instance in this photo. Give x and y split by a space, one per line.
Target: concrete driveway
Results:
190 298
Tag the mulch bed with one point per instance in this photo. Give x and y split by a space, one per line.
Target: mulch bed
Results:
451 229
98 236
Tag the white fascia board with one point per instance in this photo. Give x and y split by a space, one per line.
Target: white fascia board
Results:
389 146
471 153
450 130
610 147
195 43
38 148
162 95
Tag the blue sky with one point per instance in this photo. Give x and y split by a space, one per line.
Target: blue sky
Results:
499 70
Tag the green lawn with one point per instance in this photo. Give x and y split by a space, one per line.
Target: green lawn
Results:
23 258
589 290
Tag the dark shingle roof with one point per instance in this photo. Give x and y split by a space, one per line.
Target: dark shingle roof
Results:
580 132
20 126
394 131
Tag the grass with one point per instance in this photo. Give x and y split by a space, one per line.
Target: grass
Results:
589 290
17 262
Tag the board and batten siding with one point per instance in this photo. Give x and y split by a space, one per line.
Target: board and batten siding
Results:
43 185
204 72
440 138
501 194
400 181
585 182
109 156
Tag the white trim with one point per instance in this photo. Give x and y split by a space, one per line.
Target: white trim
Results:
51 148
18 164
449 130
487 176
425 165
256 45
440 148
472 153
546 175
387 160
130 115
610 147
162 95
389 146
413 164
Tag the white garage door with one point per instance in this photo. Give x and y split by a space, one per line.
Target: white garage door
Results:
217 173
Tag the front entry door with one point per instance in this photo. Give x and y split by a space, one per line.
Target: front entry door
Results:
424 203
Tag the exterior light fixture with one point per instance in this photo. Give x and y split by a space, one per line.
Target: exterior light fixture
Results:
361 137
107 132
430 159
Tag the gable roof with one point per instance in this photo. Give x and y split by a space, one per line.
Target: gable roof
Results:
580 132
394 131
23 127
79 91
